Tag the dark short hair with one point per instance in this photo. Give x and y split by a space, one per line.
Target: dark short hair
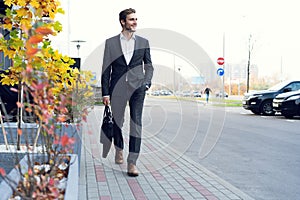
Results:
123 14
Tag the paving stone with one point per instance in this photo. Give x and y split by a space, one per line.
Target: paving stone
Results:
163 175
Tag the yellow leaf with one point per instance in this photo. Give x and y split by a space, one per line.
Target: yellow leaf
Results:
56 55
39 54
8 2
11 54
60 10
76 71
39 11
66 58
21 12
46 52
7 26
34 3
5 81
21 2
25 22
52 15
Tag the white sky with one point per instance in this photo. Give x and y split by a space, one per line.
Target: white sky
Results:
274 24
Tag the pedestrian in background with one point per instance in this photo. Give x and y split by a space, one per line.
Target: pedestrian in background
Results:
207 92
126 75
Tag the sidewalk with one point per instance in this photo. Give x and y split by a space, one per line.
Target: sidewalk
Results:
163 174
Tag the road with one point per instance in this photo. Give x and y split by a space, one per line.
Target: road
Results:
257 154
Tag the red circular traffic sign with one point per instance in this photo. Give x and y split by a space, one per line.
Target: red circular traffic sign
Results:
220 61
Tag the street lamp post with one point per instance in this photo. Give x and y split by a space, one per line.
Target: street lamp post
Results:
78 45
174 72
179 80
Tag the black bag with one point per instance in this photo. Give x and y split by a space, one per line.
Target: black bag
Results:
106 131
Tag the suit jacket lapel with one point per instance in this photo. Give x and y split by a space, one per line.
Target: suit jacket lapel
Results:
119 48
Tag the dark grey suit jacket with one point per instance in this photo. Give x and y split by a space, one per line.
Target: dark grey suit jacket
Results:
115 71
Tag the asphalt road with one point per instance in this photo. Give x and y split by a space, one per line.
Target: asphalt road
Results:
257 154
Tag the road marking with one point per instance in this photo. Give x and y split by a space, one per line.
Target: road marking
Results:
244 113
290 120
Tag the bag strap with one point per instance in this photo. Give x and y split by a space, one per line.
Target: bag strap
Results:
107 111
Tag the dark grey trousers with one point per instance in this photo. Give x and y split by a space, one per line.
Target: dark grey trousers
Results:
135 98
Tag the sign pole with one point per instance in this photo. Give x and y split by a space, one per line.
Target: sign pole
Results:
223 64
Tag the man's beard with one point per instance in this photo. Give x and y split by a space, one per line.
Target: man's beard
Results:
129 29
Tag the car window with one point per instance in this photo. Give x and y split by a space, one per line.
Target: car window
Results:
278 86
297 86
294 86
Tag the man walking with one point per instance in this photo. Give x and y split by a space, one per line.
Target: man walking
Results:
126 75
207 91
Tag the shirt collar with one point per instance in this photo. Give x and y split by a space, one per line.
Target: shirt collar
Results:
124 38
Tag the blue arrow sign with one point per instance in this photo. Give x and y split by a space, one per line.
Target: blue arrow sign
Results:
220 71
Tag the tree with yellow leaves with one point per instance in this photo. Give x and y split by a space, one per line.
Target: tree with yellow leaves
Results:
44 73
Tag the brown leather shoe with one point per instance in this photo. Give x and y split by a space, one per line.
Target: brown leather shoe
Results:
132 171
119 157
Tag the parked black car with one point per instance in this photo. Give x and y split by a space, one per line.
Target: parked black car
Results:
288 104
260 102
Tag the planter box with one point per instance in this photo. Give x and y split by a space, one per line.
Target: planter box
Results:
71 192
72 129
73 179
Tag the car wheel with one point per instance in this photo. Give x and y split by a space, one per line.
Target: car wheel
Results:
267 108
255 112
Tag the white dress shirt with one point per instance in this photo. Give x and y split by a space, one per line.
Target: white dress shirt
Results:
127 47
